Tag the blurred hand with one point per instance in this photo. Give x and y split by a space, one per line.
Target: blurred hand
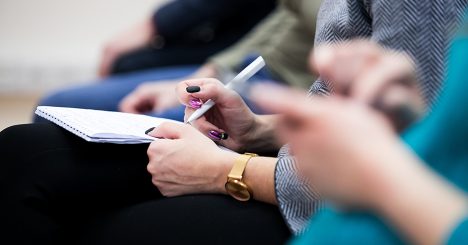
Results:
230 122
340 144
150 97
372 75
133 38
184 161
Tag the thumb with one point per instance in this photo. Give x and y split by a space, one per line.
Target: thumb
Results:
168 130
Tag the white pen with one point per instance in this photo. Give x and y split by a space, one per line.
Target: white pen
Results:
242 77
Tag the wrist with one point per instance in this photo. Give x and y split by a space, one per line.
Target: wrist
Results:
226 162
424 207
261 136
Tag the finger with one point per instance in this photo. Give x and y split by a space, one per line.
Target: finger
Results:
391 69
281 100
185 95
169 130
341 63
208 89
129 104
210 130
206 127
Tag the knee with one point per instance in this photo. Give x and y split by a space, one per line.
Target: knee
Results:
63 98
24 140
9 137
20 145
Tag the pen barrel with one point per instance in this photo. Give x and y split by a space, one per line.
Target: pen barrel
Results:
241 78
204 108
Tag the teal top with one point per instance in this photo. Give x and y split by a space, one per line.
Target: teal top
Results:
441 140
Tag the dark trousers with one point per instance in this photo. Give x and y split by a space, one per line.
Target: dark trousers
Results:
182 54
56 188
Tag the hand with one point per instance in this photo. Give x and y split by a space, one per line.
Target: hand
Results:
230 122
340 144
184 161
350 155
368 73
150 97
136 37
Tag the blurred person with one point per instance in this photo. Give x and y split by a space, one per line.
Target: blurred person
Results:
181 32
381 190
284 39
422 30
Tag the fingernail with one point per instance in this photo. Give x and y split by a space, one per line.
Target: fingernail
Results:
149 130
192 89
217 135
195 103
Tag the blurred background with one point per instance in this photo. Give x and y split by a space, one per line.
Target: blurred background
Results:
47 44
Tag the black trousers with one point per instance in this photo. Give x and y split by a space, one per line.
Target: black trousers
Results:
171 55
56 188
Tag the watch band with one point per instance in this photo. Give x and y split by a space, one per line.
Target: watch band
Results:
239 165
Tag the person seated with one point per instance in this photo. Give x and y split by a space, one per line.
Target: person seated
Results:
277 178
284 39
381 189
181 32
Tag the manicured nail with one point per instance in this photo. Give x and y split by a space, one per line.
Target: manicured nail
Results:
217 135
192 89
149 130
195 103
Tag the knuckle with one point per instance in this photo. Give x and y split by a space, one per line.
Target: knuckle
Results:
149 168
151 149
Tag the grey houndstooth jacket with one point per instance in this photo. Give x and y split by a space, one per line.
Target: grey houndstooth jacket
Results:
421 28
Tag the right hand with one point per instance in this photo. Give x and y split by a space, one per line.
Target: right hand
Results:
136 37
150 97
230 115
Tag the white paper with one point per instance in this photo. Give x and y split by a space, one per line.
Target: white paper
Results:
102 126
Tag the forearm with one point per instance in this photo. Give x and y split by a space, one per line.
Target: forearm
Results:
421 205
258 175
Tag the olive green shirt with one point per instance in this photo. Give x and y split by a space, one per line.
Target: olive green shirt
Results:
284 39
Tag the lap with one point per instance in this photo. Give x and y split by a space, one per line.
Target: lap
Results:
50 166
195 219
102 192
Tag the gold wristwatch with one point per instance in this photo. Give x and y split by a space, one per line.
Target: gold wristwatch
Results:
234 185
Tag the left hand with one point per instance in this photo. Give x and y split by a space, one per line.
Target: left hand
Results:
184 161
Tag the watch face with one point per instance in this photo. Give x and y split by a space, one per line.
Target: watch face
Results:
238 190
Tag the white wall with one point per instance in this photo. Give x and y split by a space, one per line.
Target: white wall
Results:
49 43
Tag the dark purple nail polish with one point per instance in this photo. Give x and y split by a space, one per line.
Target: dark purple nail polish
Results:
192 89
195 103
217 135
224 136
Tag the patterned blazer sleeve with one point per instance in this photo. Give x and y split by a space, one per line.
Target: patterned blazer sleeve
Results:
296 200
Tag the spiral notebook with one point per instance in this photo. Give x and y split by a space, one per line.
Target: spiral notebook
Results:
102 126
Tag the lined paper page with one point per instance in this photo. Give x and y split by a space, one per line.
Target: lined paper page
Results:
102 126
